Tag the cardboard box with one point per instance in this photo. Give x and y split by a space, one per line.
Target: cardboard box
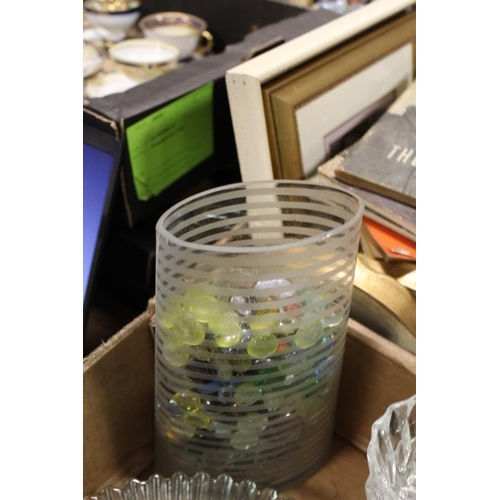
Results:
206 152
118 404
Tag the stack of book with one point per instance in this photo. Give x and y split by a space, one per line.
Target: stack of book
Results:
380 167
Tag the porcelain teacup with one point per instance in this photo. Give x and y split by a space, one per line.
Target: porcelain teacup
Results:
186 31
112 19
143 58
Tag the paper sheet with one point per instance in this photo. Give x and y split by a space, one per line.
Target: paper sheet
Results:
170 142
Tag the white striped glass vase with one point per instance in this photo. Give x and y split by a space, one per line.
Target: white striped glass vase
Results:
253 289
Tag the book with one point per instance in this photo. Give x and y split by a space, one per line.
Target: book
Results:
398 216
384 159
381 242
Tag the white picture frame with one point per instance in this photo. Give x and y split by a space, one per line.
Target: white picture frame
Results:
247 84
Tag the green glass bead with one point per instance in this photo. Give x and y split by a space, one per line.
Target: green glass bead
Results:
204 308
252 423
247 394
196 419
188 329
244 441
166 315
224 369
175 352
227 329
259 325
273 400
201 353
187 401
166 321
308 335
262 346
241 365
180 429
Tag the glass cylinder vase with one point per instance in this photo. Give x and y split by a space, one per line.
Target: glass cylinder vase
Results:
253 290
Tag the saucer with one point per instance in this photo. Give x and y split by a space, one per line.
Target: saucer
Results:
104 84
115 35
92 60
91 35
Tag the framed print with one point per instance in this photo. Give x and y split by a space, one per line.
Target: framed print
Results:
292 106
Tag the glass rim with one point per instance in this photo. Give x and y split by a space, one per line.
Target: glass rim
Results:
224 248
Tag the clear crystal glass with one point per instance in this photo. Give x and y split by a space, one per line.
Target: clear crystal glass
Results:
392 454
253 291
181 487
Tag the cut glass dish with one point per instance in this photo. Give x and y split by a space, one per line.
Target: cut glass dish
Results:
392 454
181 487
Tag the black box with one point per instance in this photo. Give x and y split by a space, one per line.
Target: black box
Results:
241 28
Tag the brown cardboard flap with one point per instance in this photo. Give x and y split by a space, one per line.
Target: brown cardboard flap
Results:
343 477
375 374
118 403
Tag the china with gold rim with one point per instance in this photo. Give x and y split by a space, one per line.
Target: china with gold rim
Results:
112 19
186 31
112 6
93 59
144 58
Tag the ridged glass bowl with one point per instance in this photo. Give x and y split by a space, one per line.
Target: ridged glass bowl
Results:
181 487
392 453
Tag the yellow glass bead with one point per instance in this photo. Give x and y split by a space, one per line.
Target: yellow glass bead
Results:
226 329
204 308
196 419
244 441
246 394
188 329
175 352
262 346
308 335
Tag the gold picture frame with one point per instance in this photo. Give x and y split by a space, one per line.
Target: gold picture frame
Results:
290 104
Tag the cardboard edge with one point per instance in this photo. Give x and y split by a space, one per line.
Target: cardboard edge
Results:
118 399
383 346
375 373
97 354
102 118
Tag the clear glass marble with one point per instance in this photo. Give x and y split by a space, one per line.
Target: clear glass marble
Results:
253 290
392 454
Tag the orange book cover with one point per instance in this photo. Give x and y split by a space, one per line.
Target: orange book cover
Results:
393 245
